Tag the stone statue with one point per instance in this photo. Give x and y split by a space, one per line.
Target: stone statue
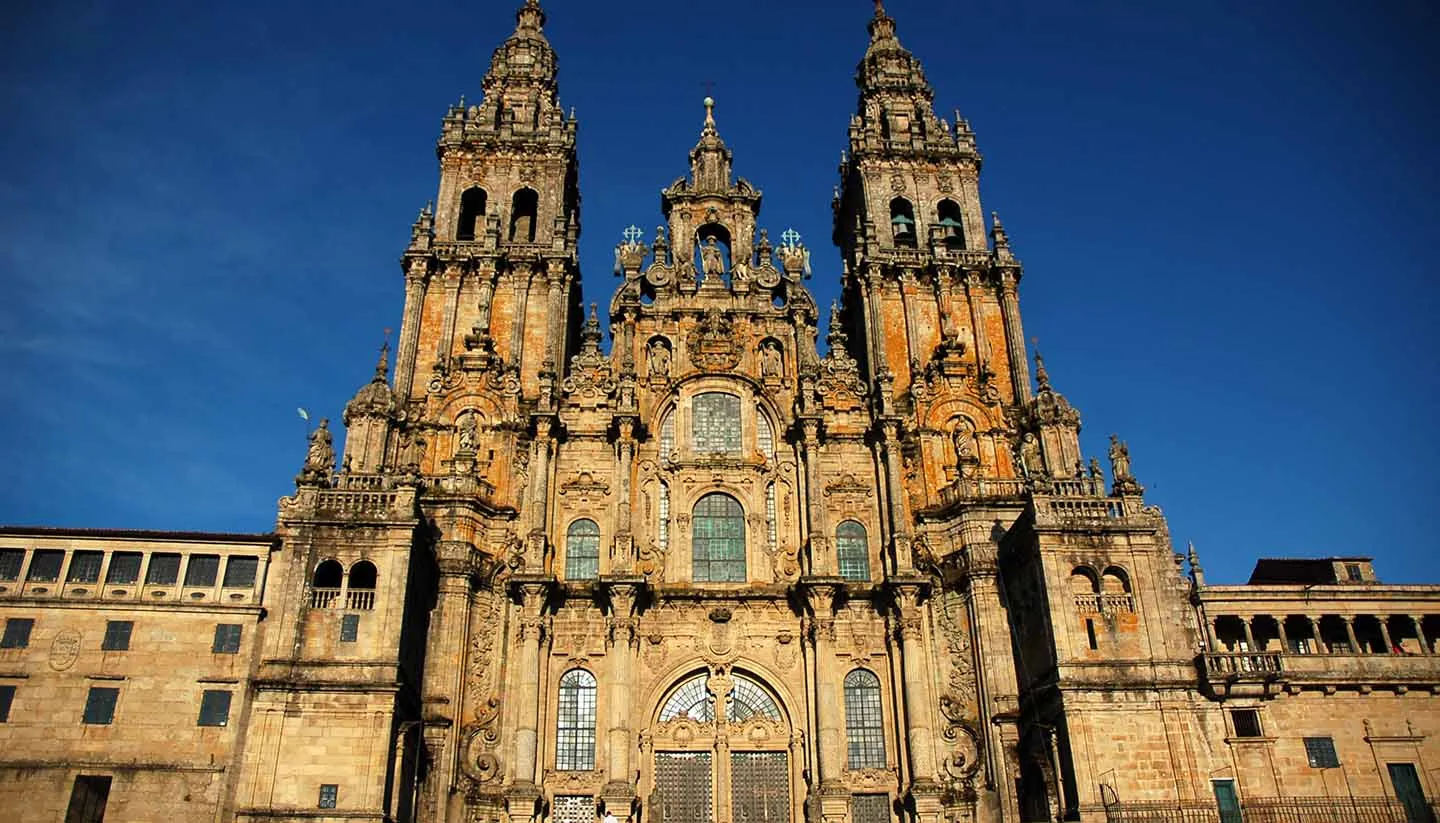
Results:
659 357
321 455
711 259
1030 457
771 360
1119 460
466 433
963 440
1095 469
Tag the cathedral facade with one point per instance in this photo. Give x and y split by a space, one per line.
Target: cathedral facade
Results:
708 574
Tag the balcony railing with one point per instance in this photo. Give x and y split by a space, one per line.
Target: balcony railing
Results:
323 598
1277 810
1109 603
1243 663
362 599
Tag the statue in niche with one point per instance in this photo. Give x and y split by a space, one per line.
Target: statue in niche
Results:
659 359
772 362
712 260
1030 458
465 433
321 454
964 441
1119 460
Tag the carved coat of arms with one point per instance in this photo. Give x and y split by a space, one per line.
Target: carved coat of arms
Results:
712 344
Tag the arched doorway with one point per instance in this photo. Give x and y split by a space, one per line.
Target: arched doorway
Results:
721 751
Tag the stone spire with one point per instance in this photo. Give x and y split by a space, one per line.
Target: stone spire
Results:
521 86
711 161
888 68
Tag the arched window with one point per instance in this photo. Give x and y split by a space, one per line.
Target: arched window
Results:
472 211
524 211
715 423
718 529
582 551
692 700
952 228
902 222
360 594
575 723
328 575
764 435
1115 581
853 550
864 725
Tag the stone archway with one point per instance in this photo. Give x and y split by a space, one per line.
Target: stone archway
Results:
720 749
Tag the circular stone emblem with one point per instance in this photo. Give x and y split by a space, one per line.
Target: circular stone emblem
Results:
65 650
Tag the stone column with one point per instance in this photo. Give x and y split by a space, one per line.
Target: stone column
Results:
622 645
919 734
1284 638
1249 635
1212 631
998 691
875 335
1419 621
1015 335
895 514
410 328
621 559
443 671
517 328
974 295
540 493
822 558
531 635
830 747
1385 633
1319 645
452 279
1350 633
555 313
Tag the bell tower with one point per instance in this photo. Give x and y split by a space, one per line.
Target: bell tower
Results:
492 276
931 308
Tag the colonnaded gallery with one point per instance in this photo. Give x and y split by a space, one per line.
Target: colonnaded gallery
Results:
705 574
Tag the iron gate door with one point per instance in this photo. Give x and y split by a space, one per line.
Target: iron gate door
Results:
760 787
682 780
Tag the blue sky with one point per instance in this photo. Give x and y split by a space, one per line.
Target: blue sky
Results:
1226 211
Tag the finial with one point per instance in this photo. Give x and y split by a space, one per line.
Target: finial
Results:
382 368
709 114
594 315
879 8
1041 376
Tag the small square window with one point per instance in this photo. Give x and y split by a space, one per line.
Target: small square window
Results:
45 566
1247 723
349 628
329 795
10 562
117 636
164 570
85 567
227 639
1320 751
214 708
17 633
100 705
202 570
240 572
1352 571
124 567
7 697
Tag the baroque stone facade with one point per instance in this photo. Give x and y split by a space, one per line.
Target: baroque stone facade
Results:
709 573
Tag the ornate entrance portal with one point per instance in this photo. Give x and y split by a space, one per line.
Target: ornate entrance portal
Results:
732 765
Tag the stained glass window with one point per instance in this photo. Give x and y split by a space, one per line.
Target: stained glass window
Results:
663 526
864 726
772 534
716 423
582 551
575 728
667 437
765 435
853 550
719 540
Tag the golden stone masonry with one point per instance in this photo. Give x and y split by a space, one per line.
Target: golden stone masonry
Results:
707 575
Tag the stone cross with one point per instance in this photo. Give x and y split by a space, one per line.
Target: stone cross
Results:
633 234
791 238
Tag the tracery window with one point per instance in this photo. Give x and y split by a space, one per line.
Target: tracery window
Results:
715 423
575 725
718 545
582 551
746 700
864 725
852 548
